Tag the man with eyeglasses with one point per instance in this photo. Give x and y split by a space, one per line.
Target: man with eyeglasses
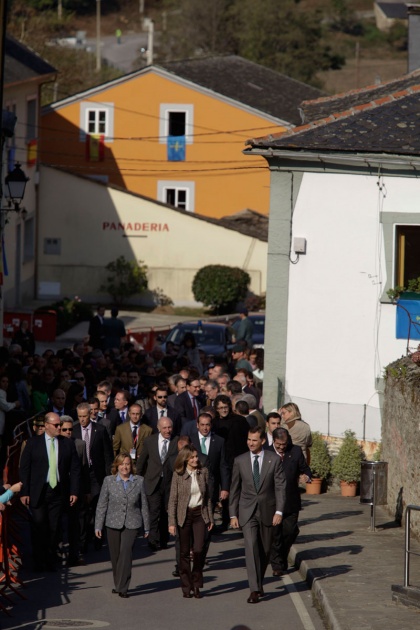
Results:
161 409
75 558
80 378
50 473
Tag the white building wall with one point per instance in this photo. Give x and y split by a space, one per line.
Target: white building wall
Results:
340 336
96 224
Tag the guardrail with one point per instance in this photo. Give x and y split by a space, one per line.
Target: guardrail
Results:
408 551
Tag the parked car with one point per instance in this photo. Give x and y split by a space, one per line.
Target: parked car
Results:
211 337
258 319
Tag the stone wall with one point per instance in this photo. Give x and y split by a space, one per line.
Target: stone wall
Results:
401 438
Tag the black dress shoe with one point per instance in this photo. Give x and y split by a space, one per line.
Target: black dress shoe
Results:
187 595
277 573
114 592
197 593
175 573
152 546
254 598
124 595
164 545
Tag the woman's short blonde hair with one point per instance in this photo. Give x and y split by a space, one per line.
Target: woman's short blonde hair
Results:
294 409
119 460
183 456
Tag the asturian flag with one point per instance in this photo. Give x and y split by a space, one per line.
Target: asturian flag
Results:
176 148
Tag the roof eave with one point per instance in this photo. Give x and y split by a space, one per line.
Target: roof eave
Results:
326 158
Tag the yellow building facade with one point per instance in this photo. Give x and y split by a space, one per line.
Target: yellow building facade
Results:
159 135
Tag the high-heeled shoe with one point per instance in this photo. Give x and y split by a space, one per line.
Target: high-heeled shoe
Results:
197 593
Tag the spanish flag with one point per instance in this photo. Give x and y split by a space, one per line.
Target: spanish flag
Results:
95 147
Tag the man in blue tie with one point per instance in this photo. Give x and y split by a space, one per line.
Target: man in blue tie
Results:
50 473
257 499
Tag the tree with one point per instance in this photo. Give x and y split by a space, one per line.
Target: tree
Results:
220 286
125 280
194 27
283 37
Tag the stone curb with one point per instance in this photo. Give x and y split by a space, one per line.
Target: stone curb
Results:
309 574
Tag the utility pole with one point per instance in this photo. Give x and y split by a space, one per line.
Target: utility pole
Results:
98 35
150 38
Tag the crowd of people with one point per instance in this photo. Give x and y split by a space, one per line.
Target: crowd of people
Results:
123 440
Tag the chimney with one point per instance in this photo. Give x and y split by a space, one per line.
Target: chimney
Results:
413 11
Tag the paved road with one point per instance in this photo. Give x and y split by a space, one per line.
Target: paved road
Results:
122 55
84 594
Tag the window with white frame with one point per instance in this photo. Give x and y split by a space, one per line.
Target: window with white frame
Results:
96 119
177 194
176 120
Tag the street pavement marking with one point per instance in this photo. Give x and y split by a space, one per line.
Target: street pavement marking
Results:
298 603
61 623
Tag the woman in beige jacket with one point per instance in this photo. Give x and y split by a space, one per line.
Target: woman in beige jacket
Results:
190 511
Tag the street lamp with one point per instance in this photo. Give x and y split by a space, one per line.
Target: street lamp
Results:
16 182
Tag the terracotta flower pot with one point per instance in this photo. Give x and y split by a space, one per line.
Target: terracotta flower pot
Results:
314 487
348 488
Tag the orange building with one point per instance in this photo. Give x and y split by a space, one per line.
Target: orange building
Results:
175 133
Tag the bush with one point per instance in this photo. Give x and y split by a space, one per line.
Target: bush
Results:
347 465
220 286
125 280
69 312
320 457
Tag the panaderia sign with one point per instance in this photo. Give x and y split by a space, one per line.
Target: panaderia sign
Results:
134 227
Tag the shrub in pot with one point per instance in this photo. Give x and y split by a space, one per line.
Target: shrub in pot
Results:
347 465
320 463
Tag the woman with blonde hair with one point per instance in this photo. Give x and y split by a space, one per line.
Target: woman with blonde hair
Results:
300 431
122 506
190 511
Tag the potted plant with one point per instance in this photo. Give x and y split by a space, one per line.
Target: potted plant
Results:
320 463
347 465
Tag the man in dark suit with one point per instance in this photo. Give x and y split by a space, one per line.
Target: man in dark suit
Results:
213 447
100 456
187 405
156 449
161 410
97 329
73 512
296 469
50 472
257 499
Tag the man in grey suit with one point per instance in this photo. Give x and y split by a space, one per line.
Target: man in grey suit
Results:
257 499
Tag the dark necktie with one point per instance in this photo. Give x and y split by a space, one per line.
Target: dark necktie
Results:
134 435
164 451
256 473
162 411
122 416
194 404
